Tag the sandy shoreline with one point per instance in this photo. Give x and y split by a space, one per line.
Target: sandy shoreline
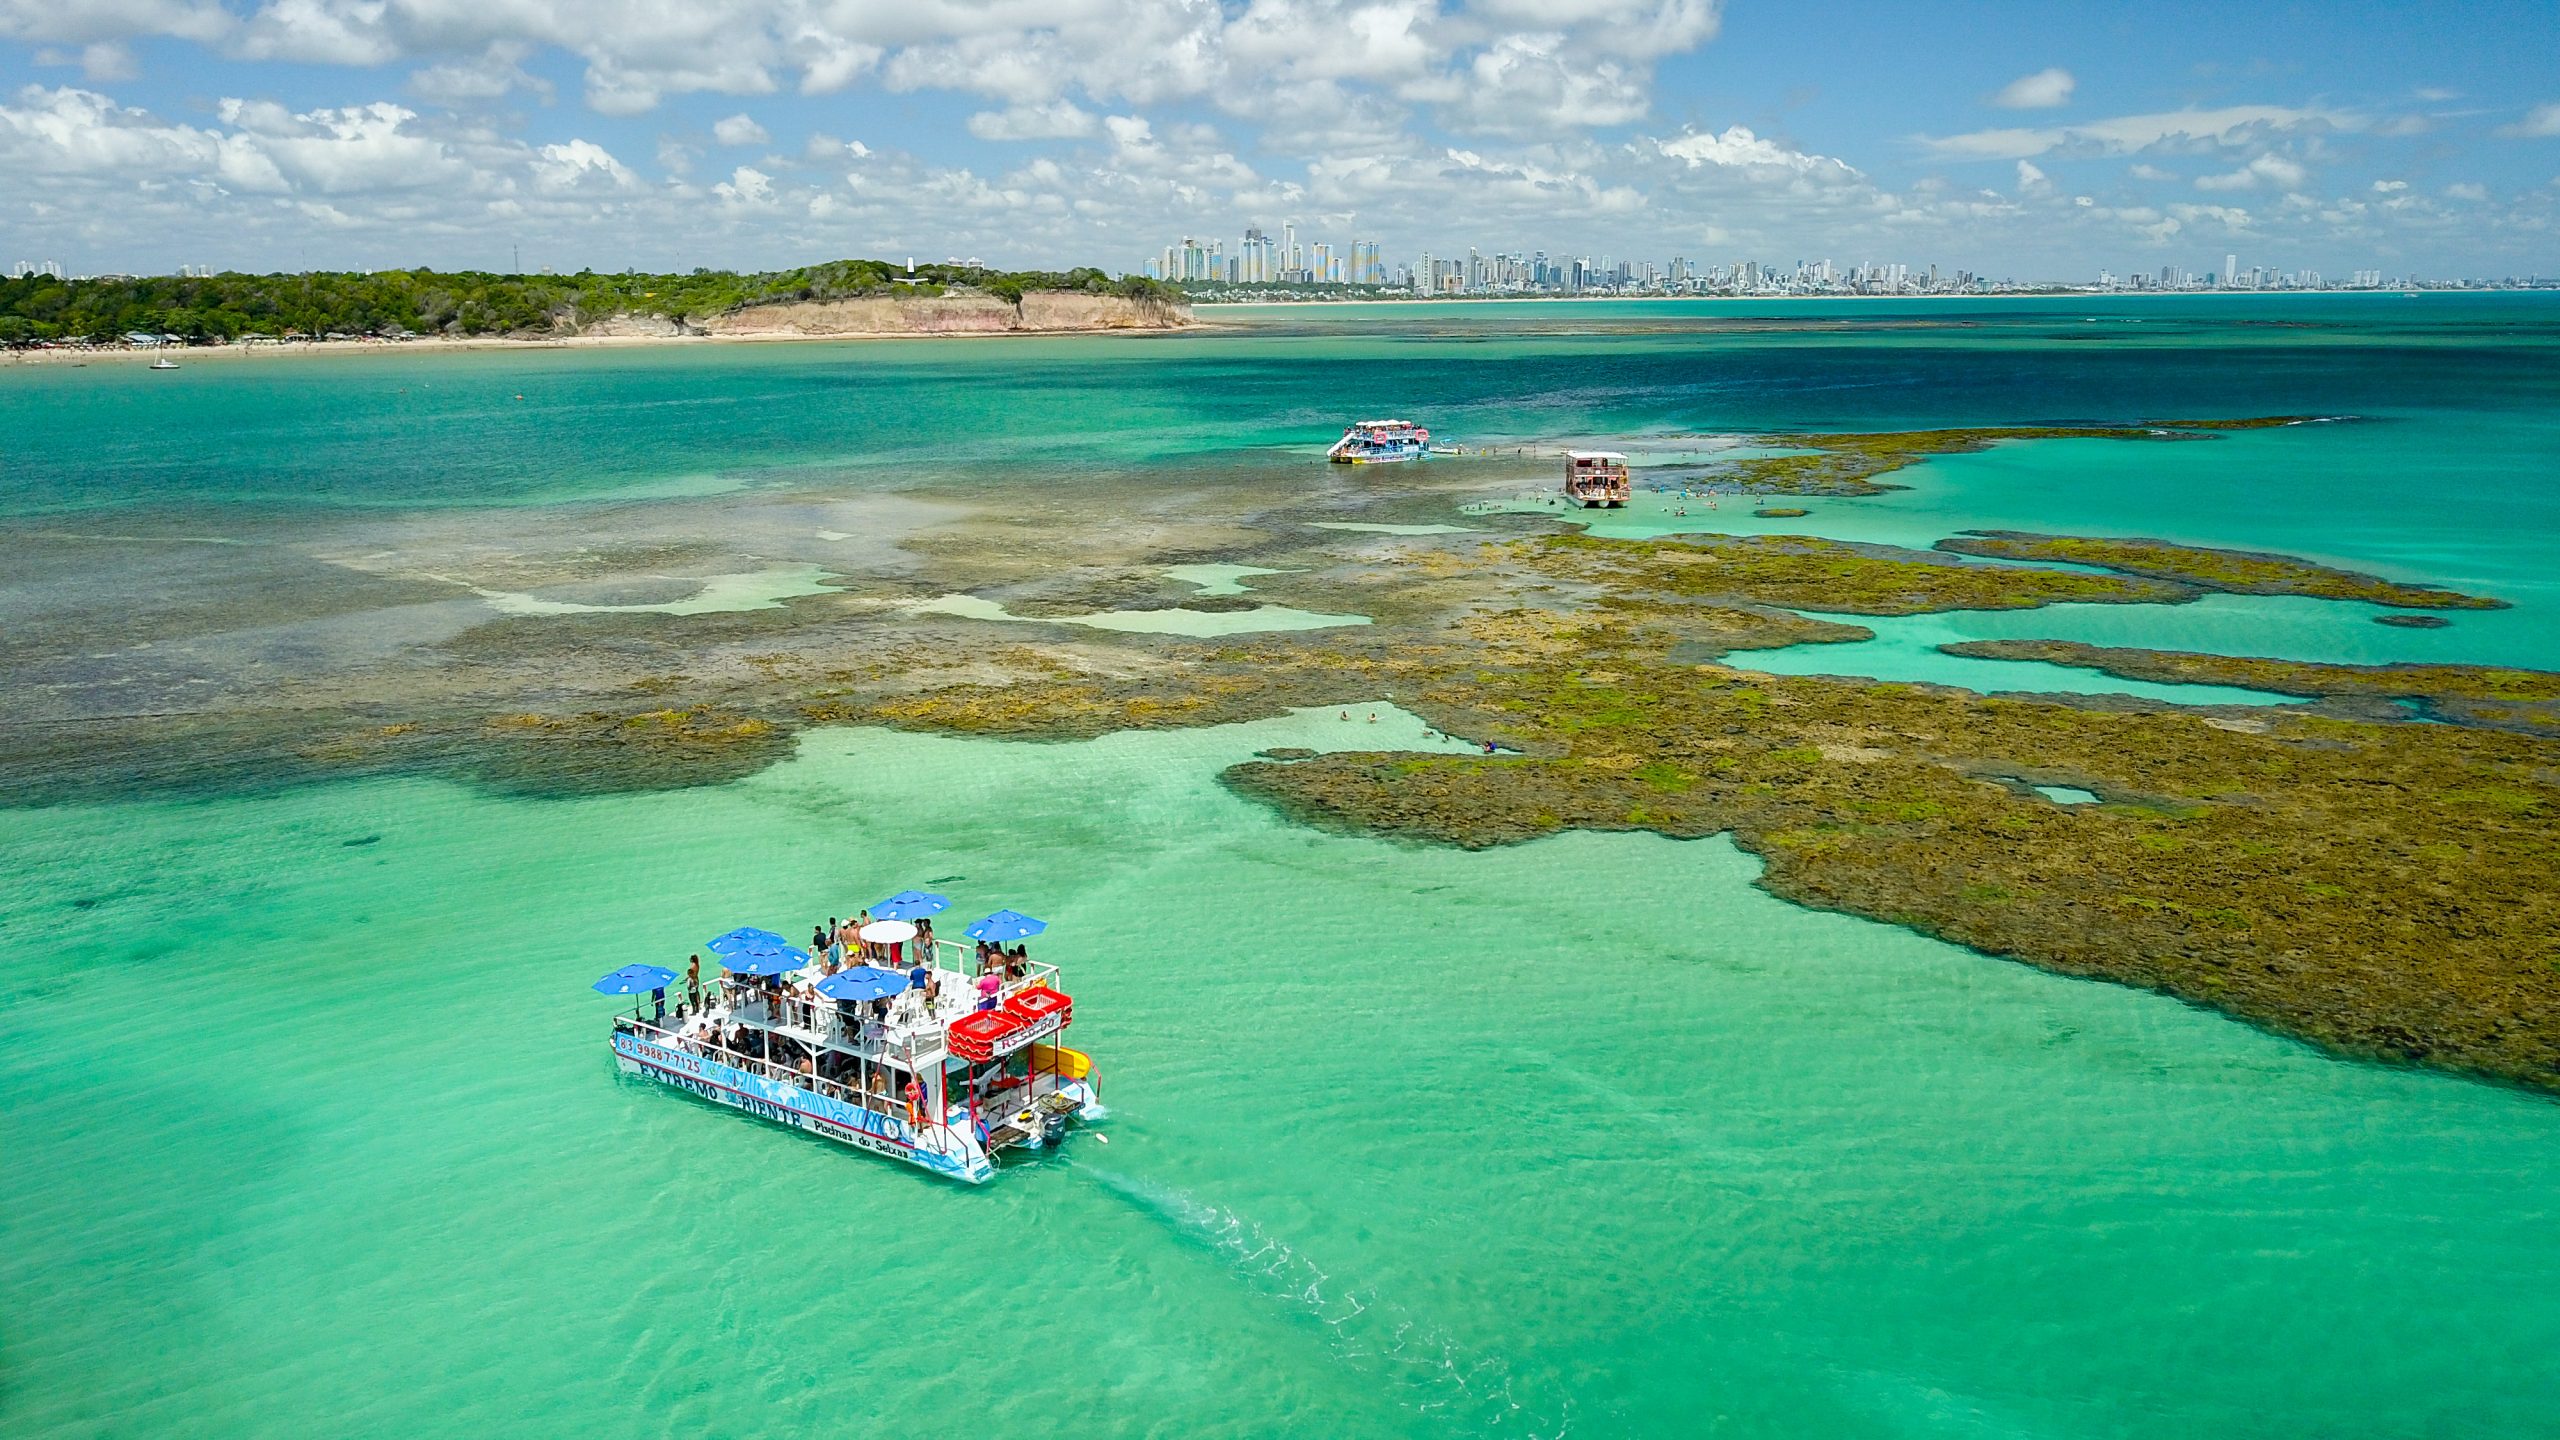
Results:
438 345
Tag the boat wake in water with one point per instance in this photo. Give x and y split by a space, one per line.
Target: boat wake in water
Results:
1428 1371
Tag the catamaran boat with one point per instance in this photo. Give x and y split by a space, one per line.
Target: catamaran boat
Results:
1596 479
947 1072
1380 442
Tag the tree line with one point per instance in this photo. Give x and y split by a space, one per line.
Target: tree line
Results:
472 302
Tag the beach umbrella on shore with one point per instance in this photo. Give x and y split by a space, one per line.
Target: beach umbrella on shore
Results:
909 905
1005 925
746 937
778 960
635 980
863 982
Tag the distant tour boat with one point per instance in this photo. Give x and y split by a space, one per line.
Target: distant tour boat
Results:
945 1072
1380 442
162 363
1596 479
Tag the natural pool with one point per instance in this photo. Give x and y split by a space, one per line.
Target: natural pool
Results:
1217 579
1905 649
1174 621
1586 1133
714 594
1401 1138
1383 529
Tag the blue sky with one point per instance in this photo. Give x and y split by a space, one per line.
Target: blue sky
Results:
2030 140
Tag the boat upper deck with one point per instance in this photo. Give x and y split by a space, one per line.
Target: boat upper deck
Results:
907 1029
857 1052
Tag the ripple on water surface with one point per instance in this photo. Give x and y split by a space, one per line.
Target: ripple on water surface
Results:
1405 1140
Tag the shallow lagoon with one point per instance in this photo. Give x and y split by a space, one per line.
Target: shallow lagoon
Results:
1172 621
1826 1161
310 1129
1905 648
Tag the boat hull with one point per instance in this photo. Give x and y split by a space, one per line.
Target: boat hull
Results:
943 1150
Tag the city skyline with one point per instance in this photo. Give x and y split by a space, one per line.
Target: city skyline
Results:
2032 141
1261 259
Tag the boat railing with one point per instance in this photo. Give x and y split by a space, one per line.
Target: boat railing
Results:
853 1095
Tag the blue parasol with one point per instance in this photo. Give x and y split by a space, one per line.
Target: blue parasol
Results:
1005 925
746 937
635 979
863 982
770 961
909 905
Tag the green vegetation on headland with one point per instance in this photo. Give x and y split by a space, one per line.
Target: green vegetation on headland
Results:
1848 464
2237 572
429 302
2492 697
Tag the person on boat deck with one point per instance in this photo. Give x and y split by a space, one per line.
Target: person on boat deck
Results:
693 982
828 940
659 998
920 976
861 923
924 940
990 987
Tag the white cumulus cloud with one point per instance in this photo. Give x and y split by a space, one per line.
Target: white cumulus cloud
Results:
1053 120
2043 90
740 129
2270 170
2541 122
2231 125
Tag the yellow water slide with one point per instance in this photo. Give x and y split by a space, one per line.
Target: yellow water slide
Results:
1069 1064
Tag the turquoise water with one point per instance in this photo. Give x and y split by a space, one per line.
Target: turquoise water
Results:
309 1126
1172 621
1905 648
1403 1142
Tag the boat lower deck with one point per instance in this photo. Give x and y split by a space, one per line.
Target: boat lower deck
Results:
886 1084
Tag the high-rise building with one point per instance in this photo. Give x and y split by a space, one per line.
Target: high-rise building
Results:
2230 271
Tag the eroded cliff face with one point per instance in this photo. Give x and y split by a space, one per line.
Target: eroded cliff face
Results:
1068 310
1040 311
